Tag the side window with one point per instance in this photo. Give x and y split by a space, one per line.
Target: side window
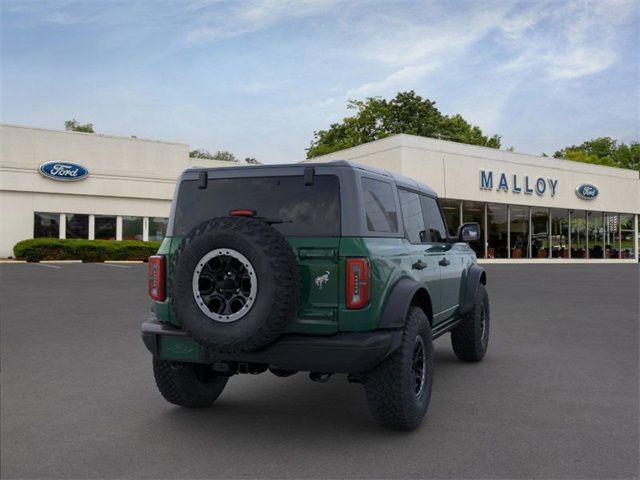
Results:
433 219
380 206
412 216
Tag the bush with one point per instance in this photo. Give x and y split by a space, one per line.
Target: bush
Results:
38 249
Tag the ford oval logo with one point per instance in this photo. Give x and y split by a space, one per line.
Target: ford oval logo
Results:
586 191
64 171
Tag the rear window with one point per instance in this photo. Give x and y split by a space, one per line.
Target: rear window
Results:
306 210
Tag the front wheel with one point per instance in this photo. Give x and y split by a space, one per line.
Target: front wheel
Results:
399 389
188 384
470 339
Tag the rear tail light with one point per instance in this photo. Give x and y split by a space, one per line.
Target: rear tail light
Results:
157 277
242 212
358 282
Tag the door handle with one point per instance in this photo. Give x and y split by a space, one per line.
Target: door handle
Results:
444 262
419 265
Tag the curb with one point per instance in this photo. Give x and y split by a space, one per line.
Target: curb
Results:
125 262
8 261
60 261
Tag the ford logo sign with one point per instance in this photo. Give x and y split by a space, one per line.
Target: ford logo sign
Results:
586 191
63 171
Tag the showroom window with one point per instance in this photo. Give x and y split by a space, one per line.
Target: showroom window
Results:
380 206
412 216
595 238
497 230
474 212
46 225
157 228
578 234
451 210
559 233
132 228
626 236
77 226
539 232
519 240
433 219
611 235
105 227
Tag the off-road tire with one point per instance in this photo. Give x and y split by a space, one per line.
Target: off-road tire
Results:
469 339
390 386
278 280
188 384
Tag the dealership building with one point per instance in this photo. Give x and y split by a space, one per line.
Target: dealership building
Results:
530 208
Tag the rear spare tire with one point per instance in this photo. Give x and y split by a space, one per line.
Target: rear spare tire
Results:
234 284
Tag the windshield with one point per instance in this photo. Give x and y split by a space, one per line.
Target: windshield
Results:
304 210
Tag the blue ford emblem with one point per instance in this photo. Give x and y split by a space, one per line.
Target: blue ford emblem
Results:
64 171
586 191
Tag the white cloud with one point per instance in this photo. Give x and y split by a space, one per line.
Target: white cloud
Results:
405 77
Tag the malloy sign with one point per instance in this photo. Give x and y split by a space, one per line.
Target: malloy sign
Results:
518 183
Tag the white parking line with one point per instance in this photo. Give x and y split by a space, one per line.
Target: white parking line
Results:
47 265
115 265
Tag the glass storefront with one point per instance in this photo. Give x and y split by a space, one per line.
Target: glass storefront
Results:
540 232
497 230
474 212
132 228
595 240
519 227
157 228
46 225
559 233
451 210
626 236
77 226
105 227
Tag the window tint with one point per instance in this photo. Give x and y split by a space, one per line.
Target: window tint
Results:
305 210
380 206
433 219
412 216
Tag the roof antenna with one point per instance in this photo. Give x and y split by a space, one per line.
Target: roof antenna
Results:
309 174
202 177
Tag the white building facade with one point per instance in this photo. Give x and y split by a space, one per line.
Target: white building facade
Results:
126 193
531 209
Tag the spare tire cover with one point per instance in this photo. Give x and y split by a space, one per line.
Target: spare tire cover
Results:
234 284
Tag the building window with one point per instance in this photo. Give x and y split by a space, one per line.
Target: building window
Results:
626 236
46 225
380 206
497 230
611 235
474 212
157 228
433 219
578 234
519 240
412 216
105 227
451 210
132 228
77 226
595 238
539 232
559 233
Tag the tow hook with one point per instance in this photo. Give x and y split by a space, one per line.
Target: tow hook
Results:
320 377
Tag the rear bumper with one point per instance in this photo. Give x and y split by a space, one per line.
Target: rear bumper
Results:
345 352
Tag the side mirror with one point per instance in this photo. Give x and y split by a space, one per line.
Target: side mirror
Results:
469 232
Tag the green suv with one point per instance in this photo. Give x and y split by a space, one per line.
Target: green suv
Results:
324 268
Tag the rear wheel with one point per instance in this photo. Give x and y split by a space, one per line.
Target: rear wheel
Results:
470 339
399 389
188 384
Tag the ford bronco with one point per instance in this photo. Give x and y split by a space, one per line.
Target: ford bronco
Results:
324 268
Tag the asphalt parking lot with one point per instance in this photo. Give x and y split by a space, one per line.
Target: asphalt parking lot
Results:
556 397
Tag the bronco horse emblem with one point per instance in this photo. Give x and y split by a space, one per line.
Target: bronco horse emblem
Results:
322 280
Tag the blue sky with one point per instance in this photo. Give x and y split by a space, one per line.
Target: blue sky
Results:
257 77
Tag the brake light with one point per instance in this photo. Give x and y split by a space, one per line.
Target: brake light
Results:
358 282
242 212
157 277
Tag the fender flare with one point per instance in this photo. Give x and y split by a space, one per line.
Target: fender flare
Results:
475 277
399 300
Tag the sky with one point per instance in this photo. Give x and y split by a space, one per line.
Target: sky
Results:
258 77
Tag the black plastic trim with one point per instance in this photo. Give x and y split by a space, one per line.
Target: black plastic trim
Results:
397 307
475 276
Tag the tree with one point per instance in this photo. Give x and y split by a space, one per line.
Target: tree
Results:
221 155
74 126
377 118
252 161
604 151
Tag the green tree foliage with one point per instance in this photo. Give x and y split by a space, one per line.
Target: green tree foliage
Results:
604 151
221 155
377 118
252 161
74 126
